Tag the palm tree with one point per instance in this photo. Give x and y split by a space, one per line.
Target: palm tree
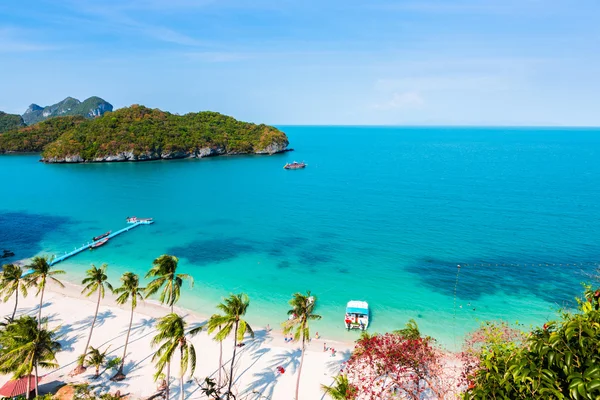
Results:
12 281
95 281
172 336
95 358
234 308
25 348
41 272
301 313
341 389
164 272
214 327
130 288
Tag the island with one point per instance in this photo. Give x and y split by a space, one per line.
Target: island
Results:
139 133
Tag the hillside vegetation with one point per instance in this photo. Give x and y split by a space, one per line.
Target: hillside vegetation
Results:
140 133
10 121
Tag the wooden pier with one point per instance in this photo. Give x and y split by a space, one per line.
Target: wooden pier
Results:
56 260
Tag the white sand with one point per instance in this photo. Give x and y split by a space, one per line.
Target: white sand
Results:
256 363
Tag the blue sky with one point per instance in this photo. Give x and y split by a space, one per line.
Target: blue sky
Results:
440 62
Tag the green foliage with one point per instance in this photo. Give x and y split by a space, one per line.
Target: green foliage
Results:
33 139
171 336
96 280
12 282
10 121
145 132
95 358
341 389
164 272
24 346
561 360
411 331
302 312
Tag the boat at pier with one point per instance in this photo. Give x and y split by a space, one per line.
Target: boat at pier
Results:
98 244
357 315
294 165
96 238
136 220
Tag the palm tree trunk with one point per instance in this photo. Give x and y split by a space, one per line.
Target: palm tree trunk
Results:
126 342
92 328
28 394
300 370
16 302
40 310
232 360
181 387
168 380
172 299
220 362
36 381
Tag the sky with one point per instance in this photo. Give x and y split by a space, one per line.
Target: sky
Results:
309 62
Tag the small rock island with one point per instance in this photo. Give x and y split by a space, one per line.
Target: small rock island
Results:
139 133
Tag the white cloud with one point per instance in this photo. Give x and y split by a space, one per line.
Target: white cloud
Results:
402 100
11 42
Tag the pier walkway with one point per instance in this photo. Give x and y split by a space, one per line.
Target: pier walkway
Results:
56 260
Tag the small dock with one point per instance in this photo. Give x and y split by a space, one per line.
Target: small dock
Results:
135 224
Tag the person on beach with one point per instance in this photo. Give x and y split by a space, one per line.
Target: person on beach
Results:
324 347
317 335
268 328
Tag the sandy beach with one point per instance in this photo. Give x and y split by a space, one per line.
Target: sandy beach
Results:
256 375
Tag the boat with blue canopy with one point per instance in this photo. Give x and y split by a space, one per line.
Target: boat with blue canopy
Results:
357 315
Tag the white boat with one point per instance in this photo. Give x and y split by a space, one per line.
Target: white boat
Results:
357 315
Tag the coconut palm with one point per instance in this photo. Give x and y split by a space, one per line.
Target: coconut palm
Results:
95 358
300 315
164 272
170 337
130 289
233 309
25 348
12 281
95 281
41 273
341 389
217 327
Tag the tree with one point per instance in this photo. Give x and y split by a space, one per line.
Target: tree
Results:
95 358
170 337
560 360
301 313
391 364
164 272
24 348
129 289
96 280
12 282
41 272
341 389
217 327
230 320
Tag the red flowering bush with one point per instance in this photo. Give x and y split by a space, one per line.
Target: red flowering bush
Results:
397 365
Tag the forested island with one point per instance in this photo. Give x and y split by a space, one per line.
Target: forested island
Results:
138 133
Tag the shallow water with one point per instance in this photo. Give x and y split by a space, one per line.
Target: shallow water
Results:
380 214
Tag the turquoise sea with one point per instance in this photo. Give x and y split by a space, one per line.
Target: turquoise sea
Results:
382 214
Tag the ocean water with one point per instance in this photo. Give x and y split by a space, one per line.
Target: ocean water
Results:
382 214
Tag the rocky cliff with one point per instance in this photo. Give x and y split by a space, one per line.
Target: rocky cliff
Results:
89 108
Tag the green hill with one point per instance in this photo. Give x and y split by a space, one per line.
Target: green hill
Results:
139 133
10 121
89 108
